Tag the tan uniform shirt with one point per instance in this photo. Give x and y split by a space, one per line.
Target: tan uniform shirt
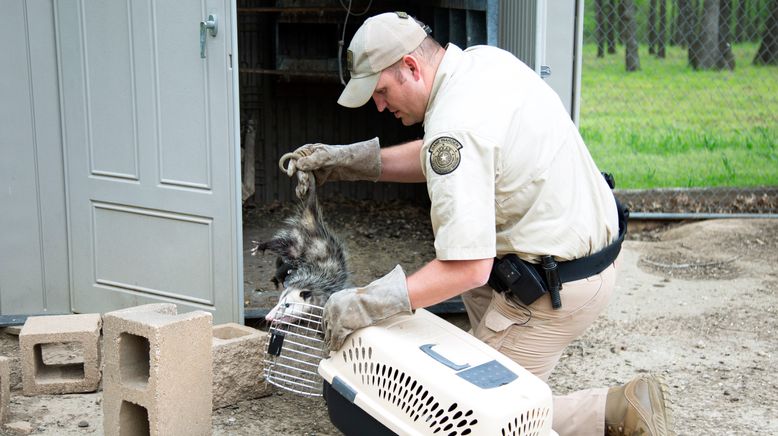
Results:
506 169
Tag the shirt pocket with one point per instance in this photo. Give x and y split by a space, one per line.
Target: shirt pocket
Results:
512 204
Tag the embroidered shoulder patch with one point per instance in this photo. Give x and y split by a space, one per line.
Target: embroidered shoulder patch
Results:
444 155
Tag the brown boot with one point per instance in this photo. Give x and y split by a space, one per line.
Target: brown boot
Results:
637 408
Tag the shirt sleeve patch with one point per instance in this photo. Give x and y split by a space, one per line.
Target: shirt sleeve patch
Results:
445 155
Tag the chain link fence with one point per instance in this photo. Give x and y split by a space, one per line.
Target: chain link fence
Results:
679 99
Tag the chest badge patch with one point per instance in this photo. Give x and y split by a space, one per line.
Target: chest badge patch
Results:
445 155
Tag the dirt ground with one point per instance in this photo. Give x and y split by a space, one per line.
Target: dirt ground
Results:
695 303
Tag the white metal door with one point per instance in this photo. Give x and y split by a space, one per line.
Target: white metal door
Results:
564 33
150 138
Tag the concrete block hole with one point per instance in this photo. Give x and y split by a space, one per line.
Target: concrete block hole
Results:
56 362
134 420
134 360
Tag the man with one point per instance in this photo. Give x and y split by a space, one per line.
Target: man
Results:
507 174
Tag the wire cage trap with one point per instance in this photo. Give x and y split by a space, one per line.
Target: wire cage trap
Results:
295 348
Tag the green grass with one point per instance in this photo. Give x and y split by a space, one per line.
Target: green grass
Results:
670 126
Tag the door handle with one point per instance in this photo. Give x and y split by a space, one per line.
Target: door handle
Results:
212 25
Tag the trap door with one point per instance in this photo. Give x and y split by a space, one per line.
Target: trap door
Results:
149 108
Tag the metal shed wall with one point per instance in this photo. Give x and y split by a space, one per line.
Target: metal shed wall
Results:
520 27
33 233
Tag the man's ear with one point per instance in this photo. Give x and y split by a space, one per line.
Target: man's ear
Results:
413 66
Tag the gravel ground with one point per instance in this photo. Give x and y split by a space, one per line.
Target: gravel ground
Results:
695 303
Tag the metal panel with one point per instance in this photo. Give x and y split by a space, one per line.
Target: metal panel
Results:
465 23
520 30
112 135
33 244
183 112
148 273
475 23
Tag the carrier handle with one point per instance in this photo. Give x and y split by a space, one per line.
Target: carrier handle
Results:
427 349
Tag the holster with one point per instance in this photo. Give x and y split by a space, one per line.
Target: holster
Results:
519 280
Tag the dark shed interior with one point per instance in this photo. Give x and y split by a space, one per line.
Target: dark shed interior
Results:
290 80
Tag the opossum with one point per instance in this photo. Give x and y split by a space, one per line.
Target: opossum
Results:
311 263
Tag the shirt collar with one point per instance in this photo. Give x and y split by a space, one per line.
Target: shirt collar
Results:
446 69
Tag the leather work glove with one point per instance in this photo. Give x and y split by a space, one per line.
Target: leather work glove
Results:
354 308
357 161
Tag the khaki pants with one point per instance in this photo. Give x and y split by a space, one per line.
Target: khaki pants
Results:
536 341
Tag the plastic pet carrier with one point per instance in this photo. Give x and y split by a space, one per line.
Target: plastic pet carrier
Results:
418 374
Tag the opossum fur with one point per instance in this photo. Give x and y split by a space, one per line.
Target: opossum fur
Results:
311 263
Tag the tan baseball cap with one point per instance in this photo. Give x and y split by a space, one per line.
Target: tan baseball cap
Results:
381 41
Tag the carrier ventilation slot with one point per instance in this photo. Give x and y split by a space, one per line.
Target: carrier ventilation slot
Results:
529 423
407 394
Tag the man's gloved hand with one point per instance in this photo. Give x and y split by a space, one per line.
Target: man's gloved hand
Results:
357 161
354 308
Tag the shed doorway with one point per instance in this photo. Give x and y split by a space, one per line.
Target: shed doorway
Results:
290 79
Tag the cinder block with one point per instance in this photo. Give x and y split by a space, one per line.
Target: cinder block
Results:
13 330
5 387
74 334
238 368
158 377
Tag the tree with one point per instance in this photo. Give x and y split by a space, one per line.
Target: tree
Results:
704 51
711 47
657 27
652 31
726 57
629 35
684 23
660 50
611 22
599 31
606 25
740 23
768 49
747 19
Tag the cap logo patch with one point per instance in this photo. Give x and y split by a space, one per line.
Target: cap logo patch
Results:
350 60
402 14
444 155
